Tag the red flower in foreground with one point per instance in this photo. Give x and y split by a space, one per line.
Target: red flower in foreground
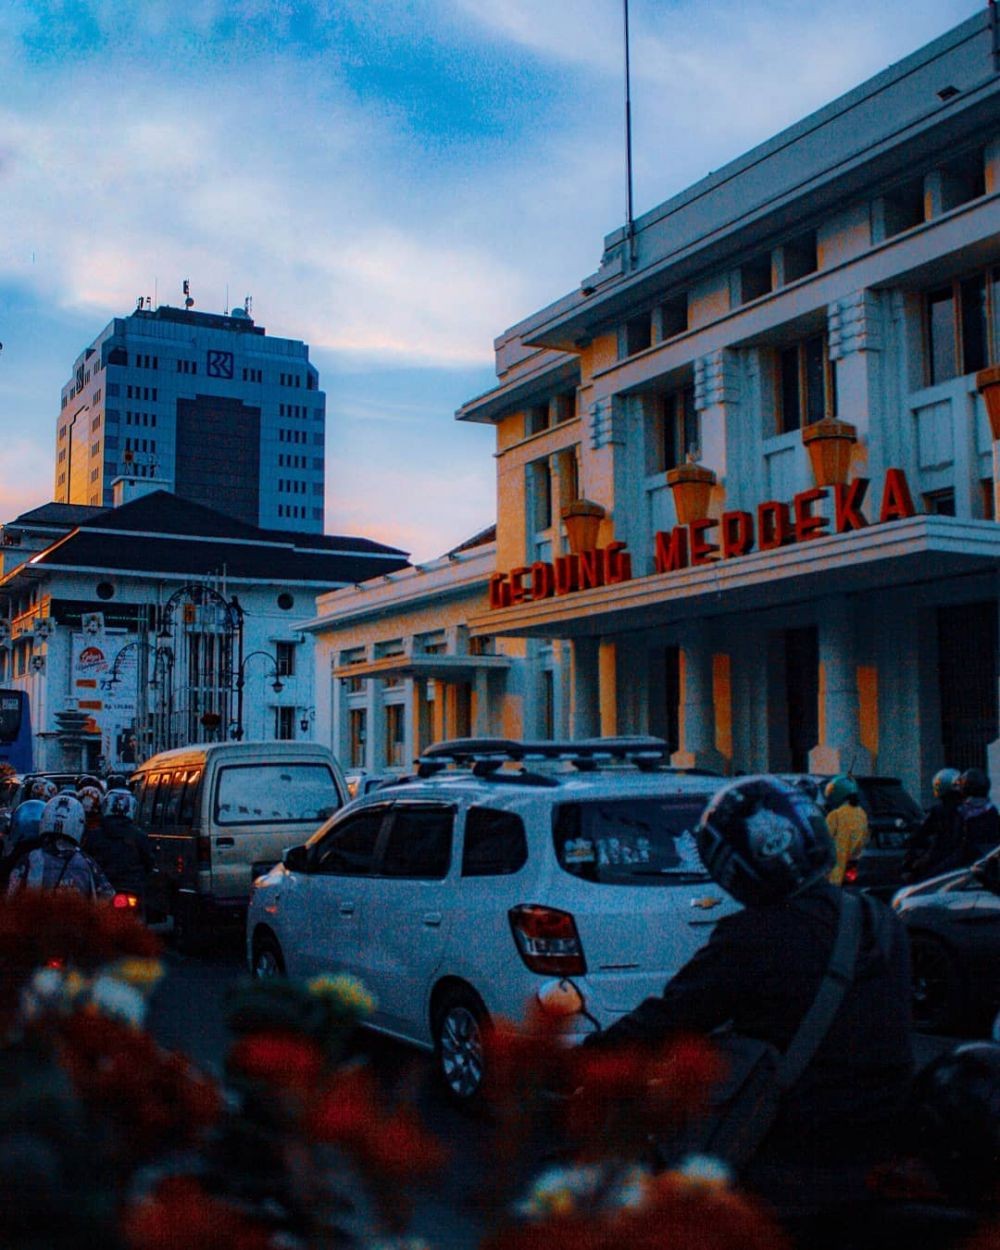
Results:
388 1145
154 1097
284 1060
39 927
180 1213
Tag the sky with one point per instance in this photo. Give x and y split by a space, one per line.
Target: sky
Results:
394 181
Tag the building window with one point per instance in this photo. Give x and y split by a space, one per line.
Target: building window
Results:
755 278
537 418
989 499
357 729
284 658
940 502
800 257
677 430
540 492
674 316
962 326
806 384
284 723
395 735
637 334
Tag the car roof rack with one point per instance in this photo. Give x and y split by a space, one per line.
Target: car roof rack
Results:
487 756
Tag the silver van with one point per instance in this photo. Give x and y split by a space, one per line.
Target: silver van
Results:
218 815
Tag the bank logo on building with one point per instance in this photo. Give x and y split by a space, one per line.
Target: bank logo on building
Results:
220 365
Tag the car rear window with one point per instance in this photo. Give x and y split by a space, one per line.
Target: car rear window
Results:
885 796
630 841
275 794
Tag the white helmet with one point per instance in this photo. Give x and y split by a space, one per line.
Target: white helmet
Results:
119 803
42 788
91 798
63 815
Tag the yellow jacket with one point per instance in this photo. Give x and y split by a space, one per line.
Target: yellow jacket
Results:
848 827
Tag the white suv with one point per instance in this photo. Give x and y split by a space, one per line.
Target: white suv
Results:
455 895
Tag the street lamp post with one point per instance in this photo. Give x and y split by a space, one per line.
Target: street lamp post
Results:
277 685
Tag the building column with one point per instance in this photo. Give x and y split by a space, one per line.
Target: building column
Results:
839 749
697 706
854 330
375 724
586 722
716 395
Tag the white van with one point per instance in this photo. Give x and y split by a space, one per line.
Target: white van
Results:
220 814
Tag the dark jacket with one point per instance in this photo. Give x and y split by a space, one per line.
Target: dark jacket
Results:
123 851
977 832
760 971
936 841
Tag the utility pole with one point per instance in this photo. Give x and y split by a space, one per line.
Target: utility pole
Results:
629 219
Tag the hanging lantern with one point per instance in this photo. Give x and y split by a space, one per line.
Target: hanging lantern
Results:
582 518
830 443
691 485
988 385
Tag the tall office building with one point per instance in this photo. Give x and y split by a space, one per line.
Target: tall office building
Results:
208 405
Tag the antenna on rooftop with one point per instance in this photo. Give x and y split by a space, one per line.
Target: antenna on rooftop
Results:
248 305
188 301
629 220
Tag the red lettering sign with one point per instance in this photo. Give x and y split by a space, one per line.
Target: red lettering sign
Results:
591 569
518 590
567 577
672 550
774 528
701 551
541 580
499 591
807 524
737 534
896 500
847 500
617 564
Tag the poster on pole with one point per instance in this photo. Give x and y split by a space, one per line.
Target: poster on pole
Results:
110 704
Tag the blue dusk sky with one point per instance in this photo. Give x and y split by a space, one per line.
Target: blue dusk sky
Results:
393 181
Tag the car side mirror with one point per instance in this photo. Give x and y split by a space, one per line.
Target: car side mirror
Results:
296 859
987 873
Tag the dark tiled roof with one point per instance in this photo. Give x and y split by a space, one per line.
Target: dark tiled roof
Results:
485 536
161 512
58 514
161 533
120 552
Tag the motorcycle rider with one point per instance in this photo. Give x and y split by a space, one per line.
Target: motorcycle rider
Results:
58 863
768 846
119 846
22 837
847 822
91 796
978 820
937 837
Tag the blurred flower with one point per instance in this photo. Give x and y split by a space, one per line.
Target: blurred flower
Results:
344 991
282 1060
564 1190
705 1170
142 973
181 1213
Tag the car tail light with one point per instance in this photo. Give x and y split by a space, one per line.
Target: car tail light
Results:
204 850
124 901
850 874
547 940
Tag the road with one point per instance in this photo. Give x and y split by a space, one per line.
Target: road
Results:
187 1014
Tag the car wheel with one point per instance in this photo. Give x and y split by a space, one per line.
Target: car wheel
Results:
938 992
268 961
460 1024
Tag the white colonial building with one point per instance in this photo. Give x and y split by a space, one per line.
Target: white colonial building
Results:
161 622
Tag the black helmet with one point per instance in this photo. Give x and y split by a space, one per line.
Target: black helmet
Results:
974 784
763 840
116 781
956 1120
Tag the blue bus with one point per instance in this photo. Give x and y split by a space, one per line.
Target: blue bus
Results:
15 730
